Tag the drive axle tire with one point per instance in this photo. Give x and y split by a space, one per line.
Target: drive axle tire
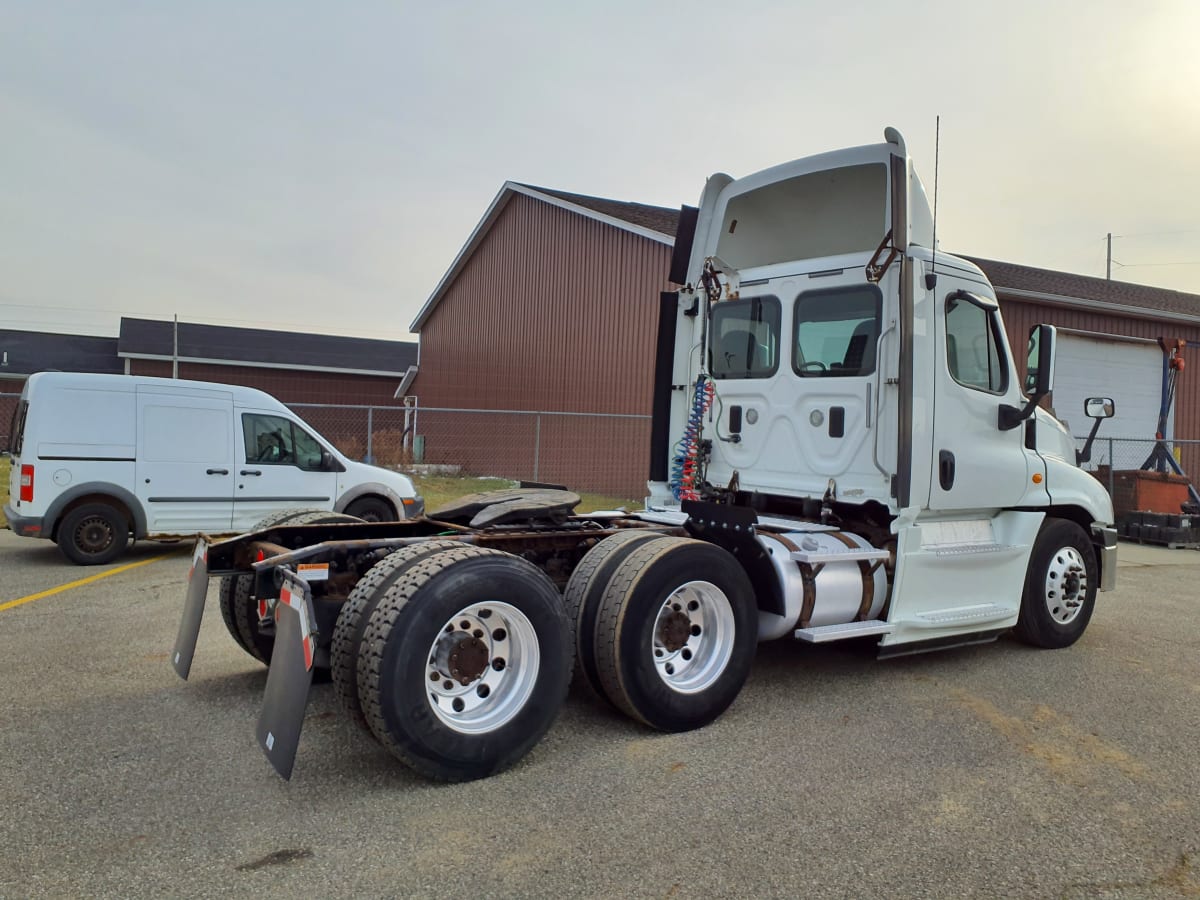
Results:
465 663
356 612
676 633
1060 586
93 534
585 590
239 606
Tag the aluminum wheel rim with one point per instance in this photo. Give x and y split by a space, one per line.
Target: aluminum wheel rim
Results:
1066 585
695 665
499 691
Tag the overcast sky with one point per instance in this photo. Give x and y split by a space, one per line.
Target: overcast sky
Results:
317 166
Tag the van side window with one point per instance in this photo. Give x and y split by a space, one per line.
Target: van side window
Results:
16 429
972 345
274 440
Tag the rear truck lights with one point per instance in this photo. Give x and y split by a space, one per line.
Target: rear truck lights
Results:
26 484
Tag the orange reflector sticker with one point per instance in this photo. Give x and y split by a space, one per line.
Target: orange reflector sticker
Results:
1037 478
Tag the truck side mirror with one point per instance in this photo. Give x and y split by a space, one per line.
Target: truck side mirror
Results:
1098 408
1039 376
1039 368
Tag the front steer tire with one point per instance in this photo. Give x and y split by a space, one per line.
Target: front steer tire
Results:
490 628
1060 586
676 633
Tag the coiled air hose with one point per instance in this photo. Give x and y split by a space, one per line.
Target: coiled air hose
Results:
685 464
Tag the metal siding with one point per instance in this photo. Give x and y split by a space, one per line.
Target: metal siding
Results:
285 385
553 312
1020 316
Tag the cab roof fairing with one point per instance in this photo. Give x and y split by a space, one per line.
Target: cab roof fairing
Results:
721 189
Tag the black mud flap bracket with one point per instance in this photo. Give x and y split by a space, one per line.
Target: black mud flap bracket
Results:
290 675
193 610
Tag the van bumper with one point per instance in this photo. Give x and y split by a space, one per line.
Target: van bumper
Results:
26 526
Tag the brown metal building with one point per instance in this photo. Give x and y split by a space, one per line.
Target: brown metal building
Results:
551 306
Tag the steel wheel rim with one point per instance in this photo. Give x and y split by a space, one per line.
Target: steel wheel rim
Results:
498 640
94 535
1066 586
693 663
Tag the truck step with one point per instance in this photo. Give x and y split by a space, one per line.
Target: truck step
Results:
850 554
962 615
971 549
824 633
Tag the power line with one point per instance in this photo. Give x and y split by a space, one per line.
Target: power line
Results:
1158 233
1145 265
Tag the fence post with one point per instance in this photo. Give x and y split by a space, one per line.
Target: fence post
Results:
537 444
1112 464
370 432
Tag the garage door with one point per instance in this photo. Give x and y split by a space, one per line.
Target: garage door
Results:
1129 372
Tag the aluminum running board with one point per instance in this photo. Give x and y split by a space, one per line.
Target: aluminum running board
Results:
969 549
824 633
961 615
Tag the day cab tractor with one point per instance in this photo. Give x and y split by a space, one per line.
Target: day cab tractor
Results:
842 448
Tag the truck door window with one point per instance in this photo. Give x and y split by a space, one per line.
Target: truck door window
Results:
274 440
836 332
743 338
973 345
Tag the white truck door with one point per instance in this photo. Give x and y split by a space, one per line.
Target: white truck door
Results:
184 465
974 465
279 467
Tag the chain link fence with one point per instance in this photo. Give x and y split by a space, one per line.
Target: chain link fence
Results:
600 452
8 406
1138 475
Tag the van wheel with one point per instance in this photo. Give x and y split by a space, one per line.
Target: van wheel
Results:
1060 587
676 633
356 612
93 534
464 663
372 509
585 590
239 606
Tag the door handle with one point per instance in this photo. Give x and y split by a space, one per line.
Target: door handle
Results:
946 469
251 472
217 472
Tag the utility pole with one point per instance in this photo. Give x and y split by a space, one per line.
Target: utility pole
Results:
1108 269
175 351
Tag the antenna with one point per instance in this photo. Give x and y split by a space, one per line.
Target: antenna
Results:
931 278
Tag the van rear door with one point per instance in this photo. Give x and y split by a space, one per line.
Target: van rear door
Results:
185 462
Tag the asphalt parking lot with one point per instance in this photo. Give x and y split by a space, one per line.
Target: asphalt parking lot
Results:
992 771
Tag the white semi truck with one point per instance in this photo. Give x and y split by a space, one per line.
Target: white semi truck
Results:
842 448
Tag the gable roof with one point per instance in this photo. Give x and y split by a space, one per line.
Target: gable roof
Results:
1016 281
1100 294
653 222
263 348
23 353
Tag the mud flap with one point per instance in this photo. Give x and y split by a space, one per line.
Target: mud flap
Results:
290 675
193 611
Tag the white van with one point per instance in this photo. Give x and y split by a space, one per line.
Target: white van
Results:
99 458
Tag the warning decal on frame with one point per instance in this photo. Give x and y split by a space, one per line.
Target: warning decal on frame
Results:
313 571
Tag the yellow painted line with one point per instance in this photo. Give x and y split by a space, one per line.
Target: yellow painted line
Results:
82 581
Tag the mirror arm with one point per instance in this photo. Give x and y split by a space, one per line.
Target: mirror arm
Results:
1010 417
1085 455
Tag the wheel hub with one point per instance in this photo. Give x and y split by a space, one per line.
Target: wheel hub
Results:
93 535
674 630
1066 585
462 657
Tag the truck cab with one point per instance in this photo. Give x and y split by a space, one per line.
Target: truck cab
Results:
833 371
